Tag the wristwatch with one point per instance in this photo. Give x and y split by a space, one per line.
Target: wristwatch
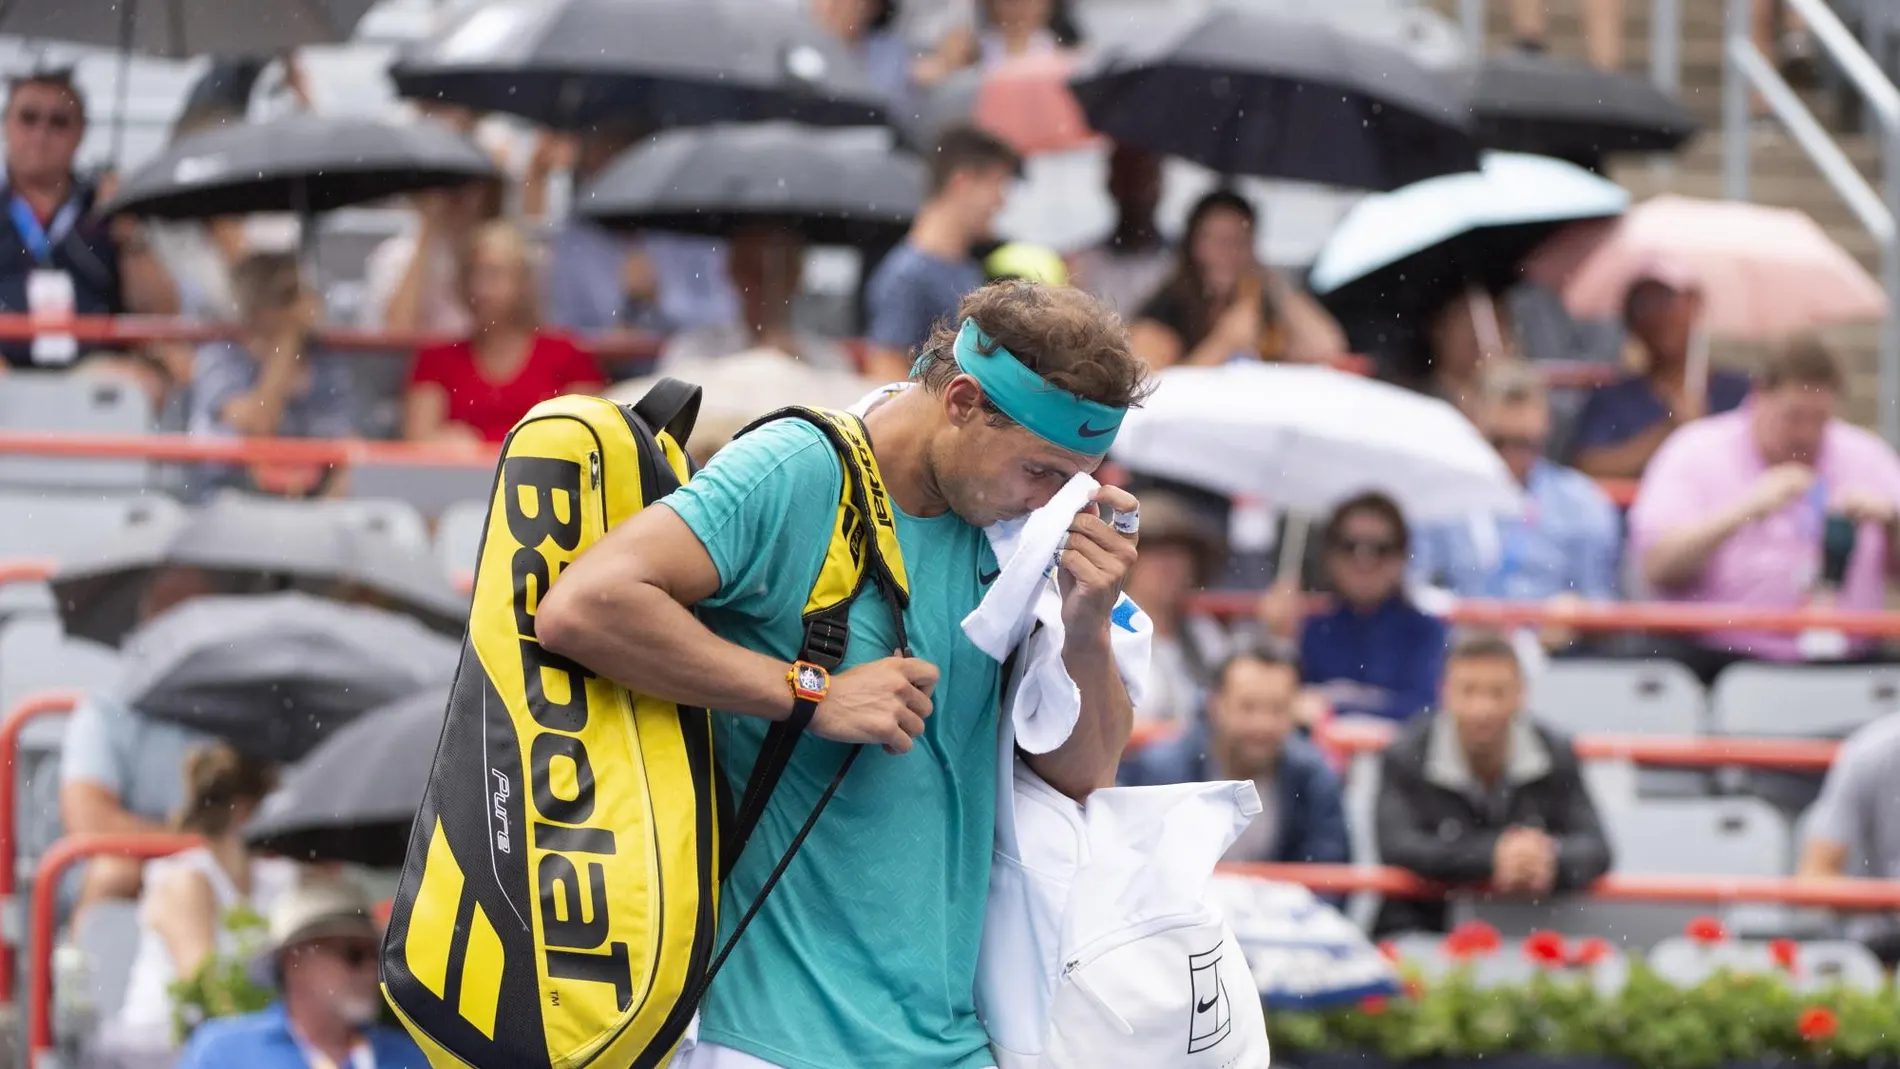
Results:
809 683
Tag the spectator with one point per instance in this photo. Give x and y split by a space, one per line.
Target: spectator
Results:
1180 554
1131 264
1222 304
1467 335
120 772
927 274
475 390
1003 29
865 28
1249 735
1622 424
186 896
410 280
1602 29
599 280
1546 330
1479 793
1733 509
270 381
1854 827
1373 653
1568 539
56 256
323 962
766 264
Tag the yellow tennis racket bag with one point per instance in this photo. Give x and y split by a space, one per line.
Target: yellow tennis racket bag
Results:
558 905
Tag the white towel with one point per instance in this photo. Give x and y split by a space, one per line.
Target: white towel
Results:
1024 600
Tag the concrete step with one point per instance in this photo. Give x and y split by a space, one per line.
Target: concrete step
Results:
1810 194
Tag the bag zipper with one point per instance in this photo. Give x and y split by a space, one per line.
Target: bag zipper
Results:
1072 969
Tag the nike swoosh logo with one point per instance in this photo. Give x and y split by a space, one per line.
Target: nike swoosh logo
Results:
1087 431
986 578
1203 1007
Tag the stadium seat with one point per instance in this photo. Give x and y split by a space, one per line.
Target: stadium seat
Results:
1819 963
108 934
1754 698
389 516
74 403
41 524
458 534
430 488
1627 697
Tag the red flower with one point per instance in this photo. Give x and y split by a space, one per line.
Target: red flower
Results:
1546 949
1372 1005
1413 989
1472 939
1588 952
1817 1024
1389 950
1786 952
1707 931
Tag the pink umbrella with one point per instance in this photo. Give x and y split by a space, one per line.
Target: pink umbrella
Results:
1026 102
1763 272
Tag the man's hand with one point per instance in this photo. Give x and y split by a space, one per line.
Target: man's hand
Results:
1525 861
1094 563
883 702
1775 488
1863 507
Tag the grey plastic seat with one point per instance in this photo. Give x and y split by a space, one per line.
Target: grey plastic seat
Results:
43 524
1627 697
1819 963
1754 698
108 934
397 519
74 403
458 535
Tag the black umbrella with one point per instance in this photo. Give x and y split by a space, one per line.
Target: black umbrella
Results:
183 29
300 163
576 64
254 543
834 187
1573 111
1243 92
354 797
276 674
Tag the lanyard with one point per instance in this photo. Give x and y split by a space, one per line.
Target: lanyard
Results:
39 240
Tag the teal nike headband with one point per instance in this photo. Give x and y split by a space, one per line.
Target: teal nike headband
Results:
1049 412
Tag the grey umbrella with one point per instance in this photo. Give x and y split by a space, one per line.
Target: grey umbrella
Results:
299 163
274 674
353 798
834 187
576 64
182 29
253 544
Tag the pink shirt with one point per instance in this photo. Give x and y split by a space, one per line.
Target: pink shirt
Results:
1709 465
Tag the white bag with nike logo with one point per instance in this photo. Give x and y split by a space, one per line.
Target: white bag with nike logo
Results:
1100 950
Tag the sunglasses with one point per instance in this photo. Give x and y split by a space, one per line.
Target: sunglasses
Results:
58 121
1366 548
1520 443
352 955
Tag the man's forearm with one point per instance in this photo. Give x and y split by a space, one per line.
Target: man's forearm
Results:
640 637
1094 750
1678 557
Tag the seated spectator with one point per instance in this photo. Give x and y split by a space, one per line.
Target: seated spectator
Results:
1733 509
926 276
271 381
1546 330
1467 335
1249 735
766 264
1854 827
1568 539
322 961
409 282
1181 553
865 28
1222 304
1478 792
601 280
1622 424
1004 29
1127 267
187 895
1372 653
475 390
121 772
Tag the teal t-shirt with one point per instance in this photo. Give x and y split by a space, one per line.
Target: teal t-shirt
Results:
865 955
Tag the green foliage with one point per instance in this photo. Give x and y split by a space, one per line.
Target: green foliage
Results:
222 986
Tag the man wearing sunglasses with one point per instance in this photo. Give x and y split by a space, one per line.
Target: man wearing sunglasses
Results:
56 257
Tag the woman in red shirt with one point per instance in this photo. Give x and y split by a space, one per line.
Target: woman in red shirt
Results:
476 390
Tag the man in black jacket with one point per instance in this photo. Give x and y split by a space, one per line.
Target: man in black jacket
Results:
1478 793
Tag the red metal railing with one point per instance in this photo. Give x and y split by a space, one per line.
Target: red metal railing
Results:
133 330
1842 893
65 854
33 707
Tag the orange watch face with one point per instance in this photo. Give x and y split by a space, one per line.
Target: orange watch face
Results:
810 681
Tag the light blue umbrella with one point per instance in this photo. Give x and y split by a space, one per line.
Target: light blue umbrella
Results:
1406 253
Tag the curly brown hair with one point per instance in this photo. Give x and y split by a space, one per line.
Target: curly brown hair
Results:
1071 339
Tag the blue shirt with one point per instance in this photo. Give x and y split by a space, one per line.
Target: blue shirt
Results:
222 370
583 287
910 291
1567 541
262 1040
1622 410
1395 648
84 250
1311 813
865 955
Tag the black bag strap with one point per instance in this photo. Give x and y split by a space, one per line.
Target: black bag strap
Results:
672 407
827 634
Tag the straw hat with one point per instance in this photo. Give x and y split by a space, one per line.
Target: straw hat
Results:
307 913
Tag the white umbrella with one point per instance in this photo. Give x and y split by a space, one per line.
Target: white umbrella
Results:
740 388
1306 438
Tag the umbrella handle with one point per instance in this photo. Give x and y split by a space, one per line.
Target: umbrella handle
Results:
1293 548
1695 372
1484 323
